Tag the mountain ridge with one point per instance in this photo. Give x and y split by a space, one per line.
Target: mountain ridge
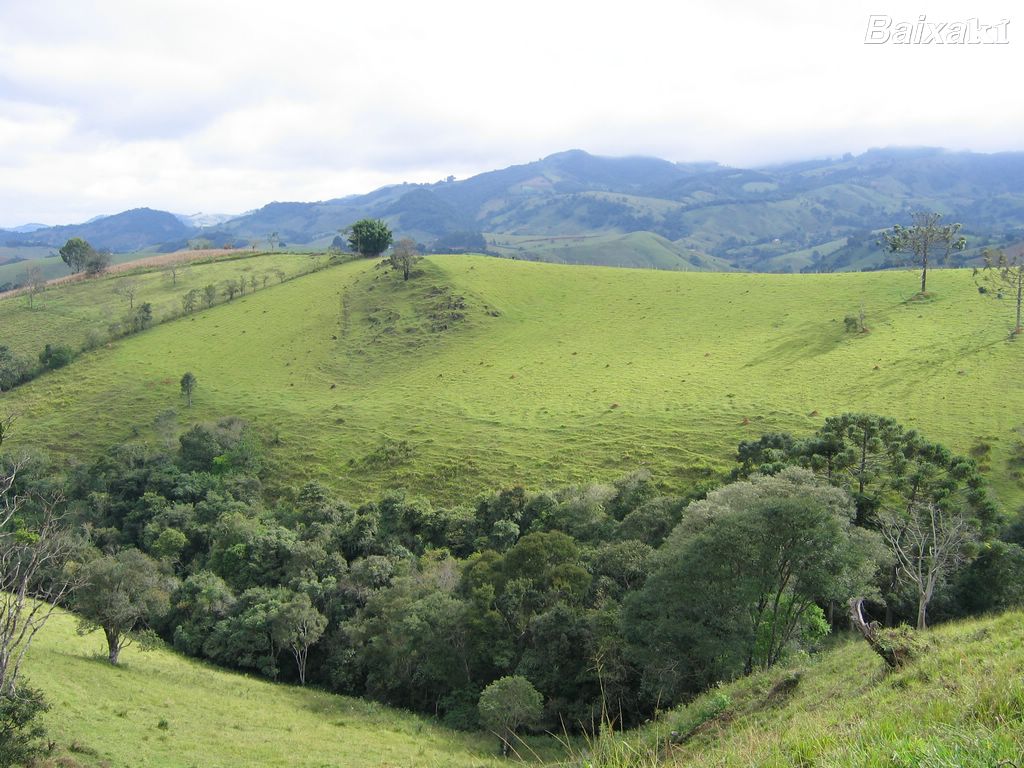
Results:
782 217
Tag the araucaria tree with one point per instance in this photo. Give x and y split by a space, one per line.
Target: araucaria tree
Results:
369 237
188 386
1002 275
121 594
926 240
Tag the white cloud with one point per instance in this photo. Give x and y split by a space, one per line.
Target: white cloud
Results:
184 106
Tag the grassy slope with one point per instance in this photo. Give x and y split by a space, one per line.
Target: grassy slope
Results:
215 719
961 704
634 249
63 314
587 372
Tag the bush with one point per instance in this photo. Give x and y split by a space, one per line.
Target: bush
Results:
21 733
55 356
507 705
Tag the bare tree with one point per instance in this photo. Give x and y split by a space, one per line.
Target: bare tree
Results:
127 289
1001 275
34 548
403 257
34 284
928 542
6 423
926 239
174 270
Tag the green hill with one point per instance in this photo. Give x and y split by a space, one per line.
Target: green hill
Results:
160 709
960 704
483 372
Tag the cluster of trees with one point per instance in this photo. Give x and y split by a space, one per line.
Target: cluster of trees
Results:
611 596
80 256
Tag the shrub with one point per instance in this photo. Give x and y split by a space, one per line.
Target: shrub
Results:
21 733
507 705
55 356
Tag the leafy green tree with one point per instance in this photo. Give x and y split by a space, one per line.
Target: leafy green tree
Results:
22 734
122 594
403 257
190 301
188 386
297 626
1003 275
199 603
927 240
230 289
142 317
209 295
369 237
508 704
97 263
76 253
13 369
738 578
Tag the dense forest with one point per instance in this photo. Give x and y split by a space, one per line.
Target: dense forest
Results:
608 598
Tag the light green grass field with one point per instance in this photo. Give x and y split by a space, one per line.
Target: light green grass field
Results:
107 716
558 374
63 314
960 705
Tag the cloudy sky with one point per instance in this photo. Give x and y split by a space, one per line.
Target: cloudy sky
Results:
222 107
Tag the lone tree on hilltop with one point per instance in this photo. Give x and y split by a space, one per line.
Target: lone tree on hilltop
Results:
77 253
403 257
927 239
1002 275
188 386
369 237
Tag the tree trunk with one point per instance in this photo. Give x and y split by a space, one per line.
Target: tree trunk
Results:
922 610
113 644
924 268
1020 291
870 633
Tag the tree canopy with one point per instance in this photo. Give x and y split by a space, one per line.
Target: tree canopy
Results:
369 237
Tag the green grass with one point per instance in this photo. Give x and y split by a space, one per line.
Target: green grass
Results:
107 716
65 314
635 249
960 705
558 374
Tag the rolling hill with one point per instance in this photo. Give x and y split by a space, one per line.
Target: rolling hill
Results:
481 373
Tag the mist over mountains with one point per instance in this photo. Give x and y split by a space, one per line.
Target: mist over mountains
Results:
816 215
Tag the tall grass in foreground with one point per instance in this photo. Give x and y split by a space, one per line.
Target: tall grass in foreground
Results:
959 705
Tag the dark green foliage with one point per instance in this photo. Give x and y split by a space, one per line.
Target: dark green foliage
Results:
13 369
733 585
228 444
994 581
55 356
188 386
22 735
369 237
76 253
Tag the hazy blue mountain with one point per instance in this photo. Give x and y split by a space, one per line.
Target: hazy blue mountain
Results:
809 215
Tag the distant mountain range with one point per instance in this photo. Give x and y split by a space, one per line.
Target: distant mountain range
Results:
818 215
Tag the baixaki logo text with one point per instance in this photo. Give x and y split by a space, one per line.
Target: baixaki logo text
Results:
882 29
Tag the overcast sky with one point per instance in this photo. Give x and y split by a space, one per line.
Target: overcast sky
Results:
223 107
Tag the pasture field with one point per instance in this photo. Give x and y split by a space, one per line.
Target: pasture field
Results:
67 313
158 708
480 373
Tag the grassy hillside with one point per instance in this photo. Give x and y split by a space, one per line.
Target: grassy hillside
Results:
66 314
636 249
160 709
483 372
961 704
